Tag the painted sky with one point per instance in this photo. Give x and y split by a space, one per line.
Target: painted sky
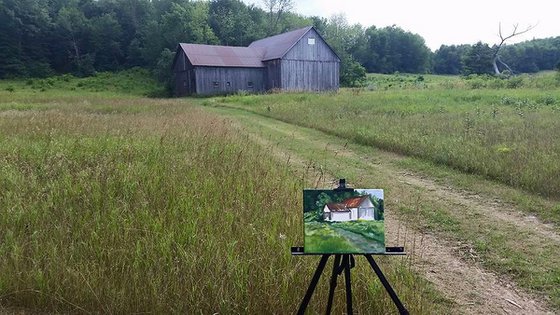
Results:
444 22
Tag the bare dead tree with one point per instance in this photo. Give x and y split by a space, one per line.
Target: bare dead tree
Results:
275 9
496 56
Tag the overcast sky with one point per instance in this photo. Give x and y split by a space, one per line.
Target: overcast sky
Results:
445 22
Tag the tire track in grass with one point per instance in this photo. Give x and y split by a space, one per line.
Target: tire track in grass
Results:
357 240
440 260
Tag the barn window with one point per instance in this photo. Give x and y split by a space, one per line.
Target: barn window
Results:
250 84
311 41
228 84
185 83
216 84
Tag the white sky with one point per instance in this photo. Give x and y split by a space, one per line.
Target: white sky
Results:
445 22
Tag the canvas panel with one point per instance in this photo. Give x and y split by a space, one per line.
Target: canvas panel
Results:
343 222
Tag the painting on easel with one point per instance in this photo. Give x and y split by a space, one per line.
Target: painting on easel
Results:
343 222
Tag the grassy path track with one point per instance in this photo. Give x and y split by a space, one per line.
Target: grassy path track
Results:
478 250
356 239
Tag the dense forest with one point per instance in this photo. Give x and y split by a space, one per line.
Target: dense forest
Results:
39 38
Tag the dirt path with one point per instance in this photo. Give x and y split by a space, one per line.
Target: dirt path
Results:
475 290
442 262
494 208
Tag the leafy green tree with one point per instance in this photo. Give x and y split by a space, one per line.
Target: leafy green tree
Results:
448 59
352 74
392 49
24 30
73 32
478 59
231 22
276 10
106 39
343 38
163 69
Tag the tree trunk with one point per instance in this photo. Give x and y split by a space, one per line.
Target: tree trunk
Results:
495 65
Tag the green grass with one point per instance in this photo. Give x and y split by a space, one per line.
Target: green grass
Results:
508 135
114 203
519 254
135 81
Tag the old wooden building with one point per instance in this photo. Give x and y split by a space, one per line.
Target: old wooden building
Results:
299 60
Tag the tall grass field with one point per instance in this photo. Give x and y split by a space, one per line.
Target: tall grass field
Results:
503 129
111 202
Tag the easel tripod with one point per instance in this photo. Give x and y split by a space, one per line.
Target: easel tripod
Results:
343 263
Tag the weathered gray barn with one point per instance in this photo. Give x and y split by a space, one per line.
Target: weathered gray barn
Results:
299 60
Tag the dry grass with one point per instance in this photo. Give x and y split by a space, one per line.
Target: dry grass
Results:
128 205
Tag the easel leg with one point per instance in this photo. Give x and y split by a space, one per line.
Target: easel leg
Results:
313 284
388 288
334 277
347 265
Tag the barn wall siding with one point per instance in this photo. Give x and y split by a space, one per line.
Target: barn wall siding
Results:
310 66
300 75
184 76
319 51
273 75
214 80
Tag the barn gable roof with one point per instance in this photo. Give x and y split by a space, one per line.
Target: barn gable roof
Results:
223 56
277 46
265 49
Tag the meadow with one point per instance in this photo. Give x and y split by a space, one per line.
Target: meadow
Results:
111 202
505 129
453 137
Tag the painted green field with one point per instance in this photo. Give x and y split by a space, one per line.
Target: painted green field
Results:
364 236
115 203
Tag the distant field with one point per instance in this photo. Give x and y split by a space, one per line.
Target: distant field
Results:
114 203
503 129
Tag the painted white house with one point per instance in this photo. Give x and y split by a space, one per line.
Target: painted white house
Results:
351 209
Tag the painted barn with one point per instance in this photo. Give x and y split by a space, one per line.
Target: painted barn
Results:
299 60
351 209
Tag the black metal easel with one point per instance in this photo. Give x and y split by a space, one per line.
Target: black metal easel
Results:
343 263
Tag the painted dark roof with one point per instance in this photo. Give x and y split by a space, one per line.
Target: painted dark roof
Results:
223 56
277 46
355 202
337 207
347 204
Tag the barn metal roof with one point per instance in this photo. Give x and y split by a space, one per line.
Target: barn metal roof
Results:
277 46
223 56
265 49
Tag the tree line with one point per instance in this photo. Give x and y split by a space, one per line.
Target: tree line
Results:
39 38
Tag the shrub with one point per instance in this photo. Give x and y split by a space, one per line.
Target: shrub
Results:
514 82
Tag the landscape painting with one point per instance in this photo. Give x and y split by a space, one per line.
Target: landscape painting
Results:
349 222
